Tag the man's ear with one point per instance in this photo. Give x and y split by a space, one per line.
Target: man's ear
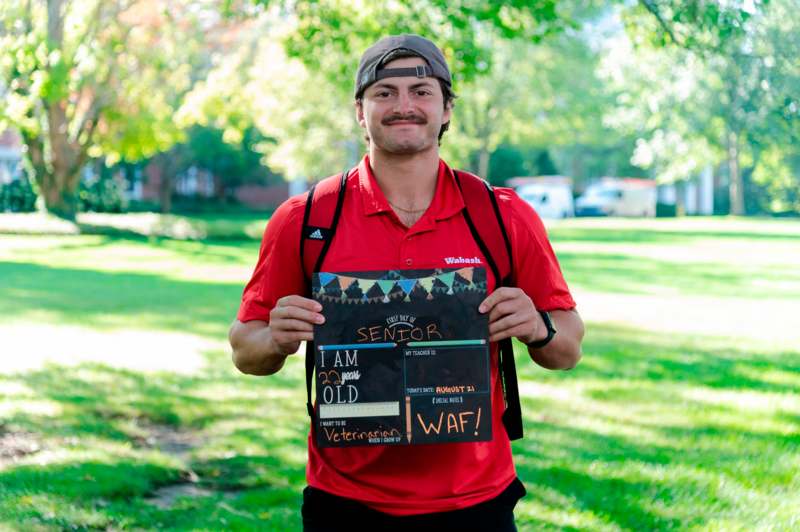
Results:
360 113
448 111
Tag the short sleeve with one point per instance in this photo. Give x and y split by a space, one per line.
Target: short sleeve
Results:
278 272
536 268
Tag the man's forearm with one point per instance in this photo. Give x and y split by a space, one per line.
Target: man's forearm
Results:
254 352
564 351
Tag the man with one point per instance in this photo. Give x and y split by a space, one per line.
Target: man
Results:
403 210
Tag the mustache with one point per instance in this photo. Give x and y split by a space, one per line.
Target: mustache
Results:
413 118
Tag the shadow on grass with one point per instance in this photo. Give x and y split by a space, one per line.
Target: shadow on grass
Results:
659 443
229 228
614 353
117 299
640 236
616 501
220 250
633 274
246 444
698 474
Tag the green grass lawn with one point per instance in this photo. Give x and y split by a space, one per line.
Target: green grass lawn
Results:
120 408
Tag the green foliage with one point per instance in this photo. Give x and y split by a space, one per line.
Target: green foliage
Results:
329 31
779 176
299 94
697 25
727 98
102 194
504 163
87 78
17 196
234 162
306 123
544 164
509 161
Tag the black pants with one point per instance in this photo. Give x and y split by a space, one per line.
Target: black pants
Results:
325 512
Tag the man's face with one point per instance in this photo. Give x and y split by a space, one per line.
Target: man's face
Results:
403 115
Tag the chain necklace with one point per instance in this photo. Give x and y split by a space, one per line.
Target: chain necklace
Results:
409 211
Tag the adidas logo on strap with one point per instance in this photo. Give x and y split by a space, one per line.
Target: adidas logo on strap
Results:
316 235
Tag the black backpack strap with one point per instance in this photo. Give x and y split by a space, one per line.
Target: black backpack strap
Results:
488 231
512 417
320 219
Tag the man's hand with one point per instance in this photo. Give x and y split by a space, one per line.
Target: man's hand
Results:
261 348
292 321
512 313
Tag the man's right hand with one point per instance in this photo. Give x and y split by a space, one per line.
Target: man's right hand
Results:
261 348
292 321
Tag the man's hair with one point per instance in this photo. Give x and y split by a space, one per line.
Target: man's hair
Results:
448 95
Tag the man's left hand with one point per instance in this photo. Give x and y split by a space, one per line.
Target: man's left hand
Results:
512 313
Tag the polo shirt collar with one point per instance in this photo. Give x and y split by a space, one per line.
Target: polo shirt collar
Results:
447 200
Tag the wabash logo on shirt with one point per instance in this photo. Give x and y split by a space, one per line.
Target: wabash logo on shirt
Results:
462 260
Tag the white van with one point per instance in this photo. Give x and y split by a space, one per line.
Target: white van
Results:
618 197
549 200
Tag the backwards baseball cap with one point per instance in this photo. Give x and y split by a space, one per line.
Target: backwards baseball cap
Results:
371 67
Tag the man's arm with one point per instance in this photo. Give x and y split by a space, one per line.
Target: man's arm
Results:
564 350
512 313
254 352
261 348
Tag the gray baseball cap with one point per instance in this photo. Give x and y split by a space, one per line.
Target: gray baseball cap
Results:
370 68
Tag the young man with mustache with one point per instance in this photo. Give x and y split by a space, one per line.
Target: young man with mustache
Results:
404 209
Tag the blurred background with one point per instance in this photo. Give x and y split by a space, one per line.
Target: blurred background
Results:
144 145
185 106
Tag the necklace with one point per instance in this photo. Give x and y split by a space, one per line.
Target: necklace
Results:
410 211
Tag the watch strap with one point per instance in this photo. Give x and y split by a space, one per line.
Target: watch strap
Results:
551 331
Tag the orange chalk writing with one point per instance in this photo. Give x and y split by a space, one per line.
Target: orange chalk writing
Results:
338 435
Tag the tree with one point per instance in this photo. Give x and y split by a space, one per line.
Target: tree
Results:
84 78
292 77
308 123
717 98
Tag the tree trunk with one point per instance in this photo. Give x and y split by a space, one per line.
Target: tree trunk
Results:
59 201
167 169
57 185
736 186
165 192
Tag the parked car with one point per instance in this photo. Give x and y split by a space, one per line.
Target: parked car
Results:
618 197
549 200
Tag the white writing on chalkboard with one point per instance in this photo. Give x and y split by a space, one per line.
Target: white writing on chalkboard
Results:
350 359
334 393
334 389
350 376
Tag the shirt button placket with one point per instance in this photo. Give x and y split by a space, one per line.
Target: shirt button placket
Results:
405 252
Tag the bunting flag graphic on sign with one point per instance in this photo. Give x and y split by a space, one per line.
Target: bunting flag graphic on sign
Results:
334 287
345 282
447 279
386 286
325 278
407 285
466 273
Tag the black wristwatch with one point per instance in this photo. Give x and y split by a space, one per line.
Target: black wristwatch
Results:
551 332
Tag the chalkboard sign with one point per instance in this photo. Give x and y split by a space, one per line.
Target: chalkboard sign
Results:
402 358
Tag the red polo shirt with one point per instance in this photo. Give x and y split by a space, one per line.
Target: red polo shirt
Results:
405 480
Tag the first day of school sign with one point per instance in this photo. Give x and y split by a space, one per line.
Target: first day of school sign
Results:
402 358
